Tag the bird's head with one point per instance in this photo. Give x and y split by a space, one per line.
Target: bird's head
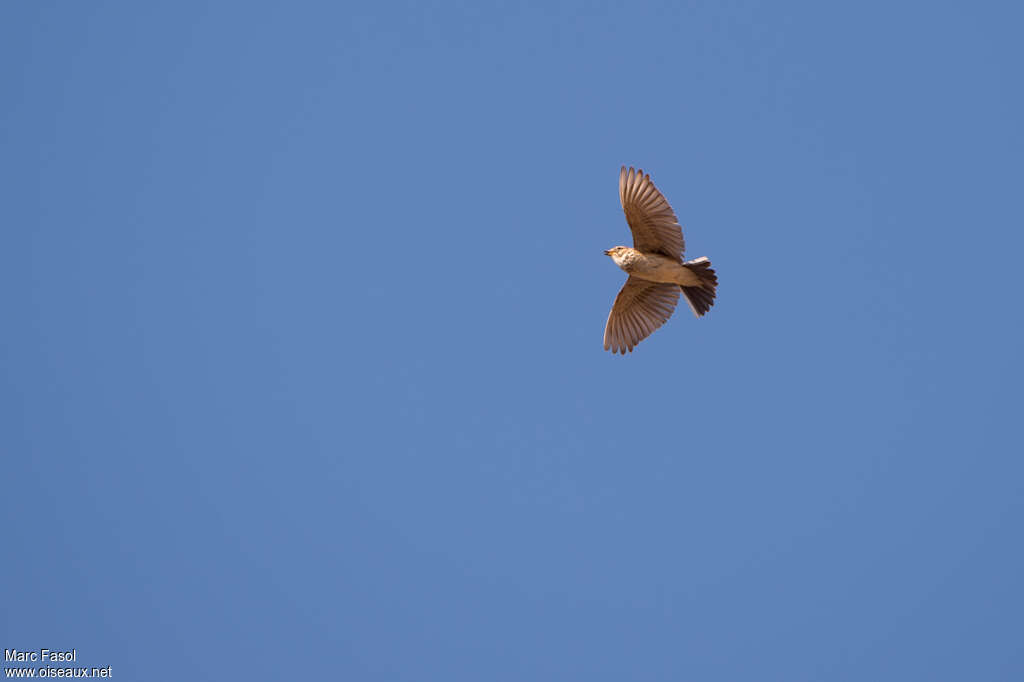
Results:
617 253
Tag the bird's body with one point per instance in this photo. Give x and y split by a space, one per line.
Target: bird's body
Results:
653 267
657 272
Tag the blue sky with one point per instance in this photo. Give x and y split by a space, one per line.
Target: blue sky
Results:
302 370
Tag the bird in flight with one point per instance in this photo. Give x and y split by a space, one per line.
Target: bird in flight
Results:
655 265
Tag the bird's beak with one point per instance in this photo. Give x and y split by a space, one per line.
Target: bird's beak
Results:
607 252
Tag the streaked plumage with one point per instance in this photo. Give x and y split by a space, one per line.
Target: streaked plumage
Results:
657 272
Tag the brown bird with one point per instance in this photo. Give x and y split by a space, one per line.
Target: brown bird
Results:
657 272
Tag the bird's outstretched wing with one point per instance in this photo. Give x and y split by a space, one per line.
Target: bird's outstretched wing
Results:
640 308
653 222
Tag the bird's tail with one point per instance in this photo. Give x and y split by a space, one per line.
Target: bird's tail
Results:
702 296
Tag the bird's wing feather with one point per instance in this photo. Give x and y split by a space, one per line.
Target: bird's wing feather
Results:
640 308
653 222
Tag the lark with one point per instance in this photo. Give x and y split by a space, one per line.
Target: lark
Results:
655 265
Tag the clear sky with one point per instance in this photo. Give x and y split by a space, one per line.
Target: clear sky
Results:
302 373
